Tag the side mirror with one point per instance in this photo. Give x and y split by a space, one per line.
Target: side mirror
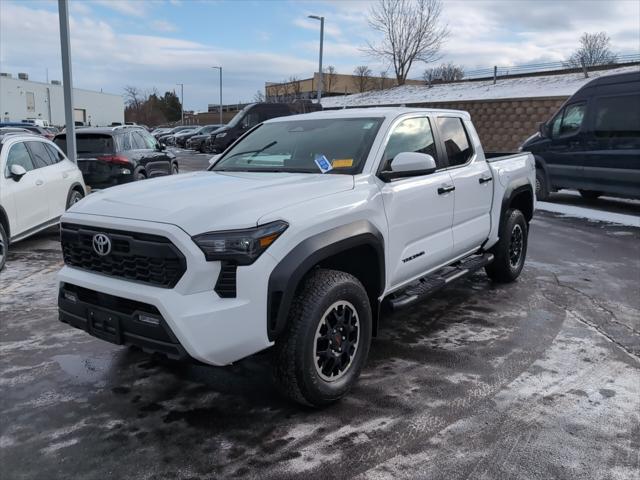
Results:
162 146
544 130
17 172
214 159
409 164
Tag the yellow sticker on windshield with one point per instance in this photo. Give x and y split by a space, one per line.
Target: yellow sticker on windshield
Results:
343 163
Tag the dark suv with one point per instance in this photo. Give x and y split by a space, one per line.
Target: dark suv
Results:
197 139
592 144
112 156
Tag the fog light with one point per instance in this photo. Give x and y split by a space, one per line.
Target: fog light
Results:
72 297
144 318
125 171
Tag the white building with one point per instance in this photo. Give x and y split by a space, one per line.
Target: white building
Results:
22 99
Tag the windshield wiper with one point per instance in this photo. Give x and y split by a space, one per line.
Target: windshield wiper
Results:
255 152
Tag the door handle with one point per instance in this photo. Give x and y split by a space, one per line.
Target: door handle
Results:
482 180
39 182
446 189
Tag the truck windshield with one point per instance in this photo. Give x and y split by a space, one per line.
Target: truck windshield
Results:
335 145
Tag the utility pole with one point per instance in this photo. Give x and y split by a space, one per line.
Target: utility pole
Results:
315 17
220 68
67 83
181 103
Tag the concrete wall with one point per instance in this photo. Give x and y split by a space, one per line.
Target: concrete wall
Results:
99 108
504 124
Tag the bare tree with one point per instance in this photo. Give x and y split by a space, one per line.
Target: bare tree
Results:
446 72
259 97
594 50
329 78
133 97
411 32
362 78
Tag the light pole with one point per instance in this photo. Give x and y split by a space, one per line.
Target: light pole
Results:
67 79
181 103
315 17
220 68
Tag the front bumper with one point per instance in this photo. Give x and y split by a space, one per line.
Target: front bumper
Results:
197 322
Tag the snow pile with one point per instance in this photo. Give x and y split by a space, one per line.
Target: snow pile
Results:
542 86
590 214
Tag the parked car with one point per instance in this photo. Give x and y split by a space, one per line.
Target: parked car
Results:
249 117
592 144
168 137
14 130
356 209
158 131
29 126
37 121
112 156
183 139
38 183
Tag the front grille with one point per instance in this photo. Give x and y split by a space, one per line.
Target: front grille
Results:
226 284
139 257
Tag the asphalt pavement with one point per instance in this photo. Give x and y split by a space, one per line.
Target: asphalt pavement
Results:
537 379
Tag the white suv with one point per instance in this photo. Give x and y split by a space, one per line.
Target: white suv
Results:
37 184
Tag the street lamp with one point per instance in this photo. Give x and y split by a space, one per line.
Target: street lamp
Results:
220 68
181 103
315 17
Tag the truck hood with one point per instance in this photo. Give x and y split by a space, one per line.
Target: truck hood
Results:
207 201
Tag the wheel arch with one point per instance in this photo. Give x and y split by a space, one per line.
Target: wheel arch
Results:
4 220
518 196
75 187
356 248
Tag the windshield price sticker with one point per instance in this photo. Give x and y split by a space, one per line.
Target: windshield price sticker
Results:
342 163
323 164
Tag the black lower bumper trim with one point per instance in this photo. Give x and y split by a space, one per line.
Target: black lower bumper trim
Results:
118 320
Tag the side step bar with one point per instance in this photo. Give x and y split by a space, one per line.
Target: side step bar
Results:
430 284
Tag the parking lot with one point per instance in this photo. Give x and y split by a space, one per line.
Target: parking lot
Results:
535 379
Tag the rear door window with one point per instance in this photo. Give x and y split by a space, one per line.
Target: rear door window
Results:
618 116
39 155
18 155
55 155
455 139
137 141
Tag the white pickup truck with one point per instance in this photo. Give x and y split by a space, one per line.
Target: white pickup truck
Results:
296 238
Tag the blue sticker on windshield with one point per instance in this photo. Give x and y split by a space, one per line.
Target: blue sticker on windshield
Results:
323 164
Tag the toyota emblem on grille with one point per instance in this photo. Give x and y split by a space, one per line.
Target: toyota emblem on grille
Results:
101 244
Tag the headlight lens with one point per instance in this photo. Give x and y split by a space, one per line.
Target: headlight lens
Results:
242 246
220 135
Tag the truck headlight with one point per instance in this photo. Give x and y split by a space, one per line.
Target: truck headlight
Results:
242 246
220 135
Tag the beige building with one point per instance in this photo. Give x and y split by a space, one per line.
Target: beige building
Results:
333 84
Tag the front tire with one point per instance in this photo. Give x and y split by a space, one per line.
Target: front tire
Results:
542 187
511 250
4 246
174 169
320 355
74 197
139 174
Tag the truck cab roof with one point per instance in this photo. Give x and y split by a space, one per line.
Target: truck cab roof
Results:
380 112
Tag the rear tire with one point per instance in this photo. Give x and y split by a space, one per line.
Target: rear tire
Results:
542 187
4 246
590 194
511 250
174 169
320 355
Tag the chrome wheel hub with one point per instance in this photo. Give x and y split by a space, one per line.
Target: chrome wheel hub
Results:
516 245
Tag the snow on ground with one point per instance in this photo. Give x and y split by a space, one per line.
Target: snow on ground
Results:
541 86
590 214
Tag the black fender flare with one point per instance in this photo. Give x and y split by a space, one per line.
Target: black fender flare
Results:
289 272
511 192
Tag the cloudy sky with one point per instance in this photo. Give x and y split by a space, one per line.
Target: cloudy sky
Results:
158 43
